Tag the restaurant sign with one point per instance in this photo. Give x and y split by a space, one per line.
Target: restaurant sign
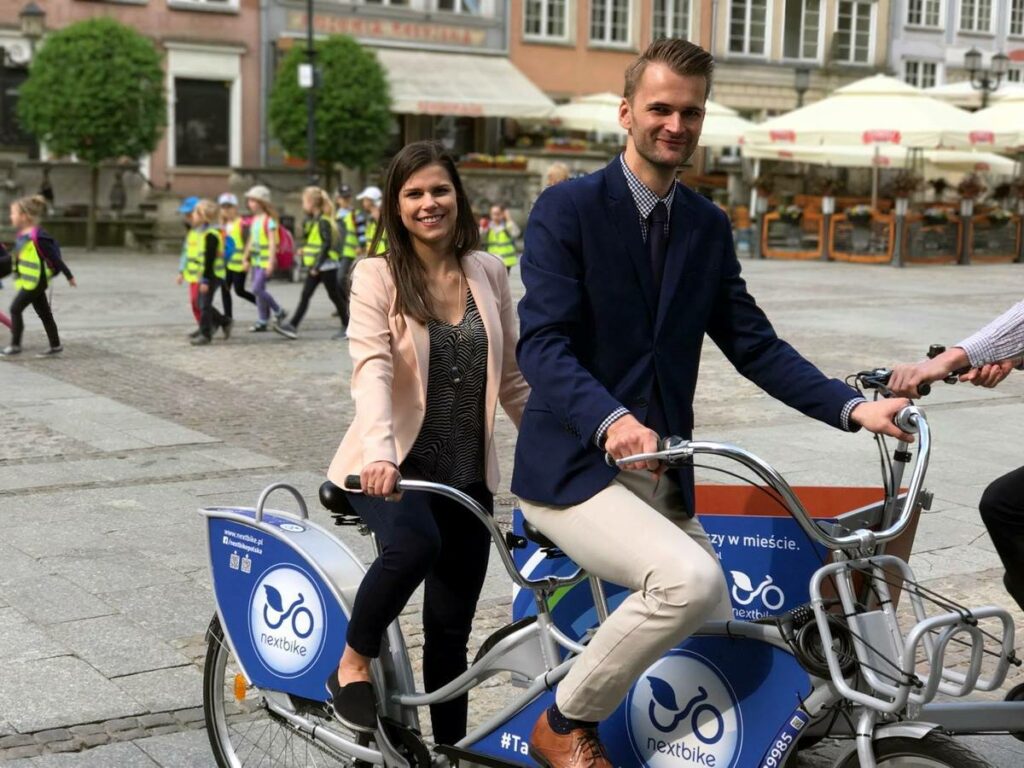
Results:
362 27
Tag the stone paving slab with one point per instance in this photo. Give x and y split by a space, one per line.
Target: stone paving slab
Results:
53 599
116 646
24 640
160 690
178 750
126 755
50 693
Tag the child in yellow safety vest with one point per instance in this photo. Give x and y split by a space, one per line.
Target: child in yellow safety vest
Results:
348 234
500 235
35 262
234 253
321 253
212 270
261 254
189 265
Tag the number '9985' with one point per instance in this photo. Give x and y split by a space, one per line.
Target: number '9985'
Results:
779 749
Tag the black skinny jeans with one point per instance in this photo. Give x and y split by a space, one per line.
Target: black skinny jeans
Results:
1002 511
425 538
330 283
37 299
209 318
236 281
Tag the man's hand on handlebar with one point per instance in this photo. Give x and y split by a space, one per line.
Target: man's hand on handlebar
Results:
878 417
627 437
989 375
906 378
379 479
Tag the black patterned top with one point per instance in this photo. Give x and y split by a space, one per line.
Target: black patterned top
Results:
450 446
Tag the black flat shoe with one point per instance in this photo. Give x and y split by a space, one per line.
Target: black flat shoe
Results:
354 704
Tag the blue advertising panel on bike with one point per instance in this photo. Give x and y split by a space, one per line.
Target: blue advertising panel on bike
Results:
713 702
284 623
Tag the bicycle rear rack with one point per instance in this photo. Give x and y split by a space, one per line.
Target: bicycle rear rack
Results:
905 668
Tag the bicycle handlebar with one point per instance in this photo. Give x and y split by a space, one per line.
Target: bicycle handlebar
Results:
910 419
352 483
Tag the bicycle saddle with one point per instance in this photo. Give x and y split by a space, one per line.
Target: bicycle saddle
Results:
336 501
533 534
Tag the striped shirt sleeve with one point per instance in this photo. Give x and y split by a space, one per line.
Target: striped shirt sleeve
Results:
1002 339
602 430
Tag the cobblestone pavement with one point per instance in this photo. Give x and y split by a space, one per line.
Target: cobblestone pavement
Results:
107 452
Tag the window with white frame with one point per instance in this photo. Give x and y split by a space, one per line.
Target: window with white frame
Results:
460 6
923 74
1017 18
1014 75
672 18
202 122
748 26
802 28
924 13
853 32
609 21
546 19
224 4
399 3
975 15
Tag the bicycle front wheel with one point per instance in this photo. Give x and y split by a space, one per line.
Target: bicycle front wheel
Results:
243 731
936 750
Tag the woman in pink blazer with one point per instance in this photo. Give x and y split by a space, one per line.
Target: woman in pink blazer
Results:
433 336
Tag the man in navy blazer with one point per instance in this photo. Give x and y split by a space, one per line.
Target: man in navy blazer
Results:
625 272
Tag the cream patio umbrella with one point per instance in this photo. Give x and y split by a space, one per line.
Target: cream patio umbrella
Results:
876 110
599 112
936 161
1000 126
963 94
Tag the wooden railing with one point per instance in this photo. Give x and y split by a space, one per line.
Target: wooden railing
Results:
781 239
870 242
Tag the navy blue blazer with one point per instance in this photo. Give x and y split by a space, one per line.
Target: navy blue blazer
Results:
593 337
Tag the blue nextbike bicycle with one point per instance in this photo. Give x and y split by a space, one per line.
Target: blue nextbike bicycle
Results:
850 663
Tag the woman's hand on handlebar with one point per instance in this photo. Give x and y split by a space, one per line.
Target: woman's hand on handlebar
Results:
989 375
627 437
878 417
379 479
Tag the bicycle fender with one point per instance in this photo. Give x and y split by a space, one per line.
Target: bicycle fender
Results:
909 729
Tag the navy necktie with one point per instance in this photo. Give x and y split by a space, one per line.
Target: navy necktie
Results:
657 242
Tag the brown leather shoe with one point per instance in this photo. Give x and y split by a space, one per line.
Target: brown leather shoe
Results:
580 748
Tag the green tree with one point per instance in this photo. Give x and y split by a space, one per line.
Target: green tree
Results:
95 90
353 105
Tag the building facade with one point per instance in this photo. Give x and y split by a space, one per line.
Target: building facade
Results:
760 45
577 47
446 60
931 37
211 59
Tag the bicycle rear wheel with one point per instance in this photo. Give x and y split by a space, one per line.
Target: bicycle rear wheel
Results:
243 731
936 750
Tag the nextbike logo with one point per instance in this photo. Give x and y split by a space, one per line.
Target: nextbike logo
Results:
286 620
767 595
682 712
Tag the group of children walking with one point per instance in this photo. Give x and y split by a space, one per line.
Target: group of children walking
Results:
221 248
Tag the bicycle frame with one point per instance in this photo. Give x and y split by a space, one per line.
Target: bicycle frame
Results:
532 649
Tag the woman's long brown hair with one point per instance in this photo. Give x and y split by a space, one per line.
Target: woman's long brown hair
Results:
408 272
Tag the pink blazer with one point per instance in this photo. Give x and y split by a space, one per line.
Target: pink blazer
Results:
390 356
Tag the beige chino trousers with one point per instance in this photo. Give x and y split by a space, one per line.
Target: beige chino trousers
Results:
634 533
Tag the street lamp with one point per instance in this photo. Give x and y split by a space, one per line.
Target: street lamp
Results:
985 80
801 82
33 24
311 95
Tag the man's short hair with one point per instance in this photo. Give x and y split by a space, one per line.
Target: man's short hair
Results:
681 56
